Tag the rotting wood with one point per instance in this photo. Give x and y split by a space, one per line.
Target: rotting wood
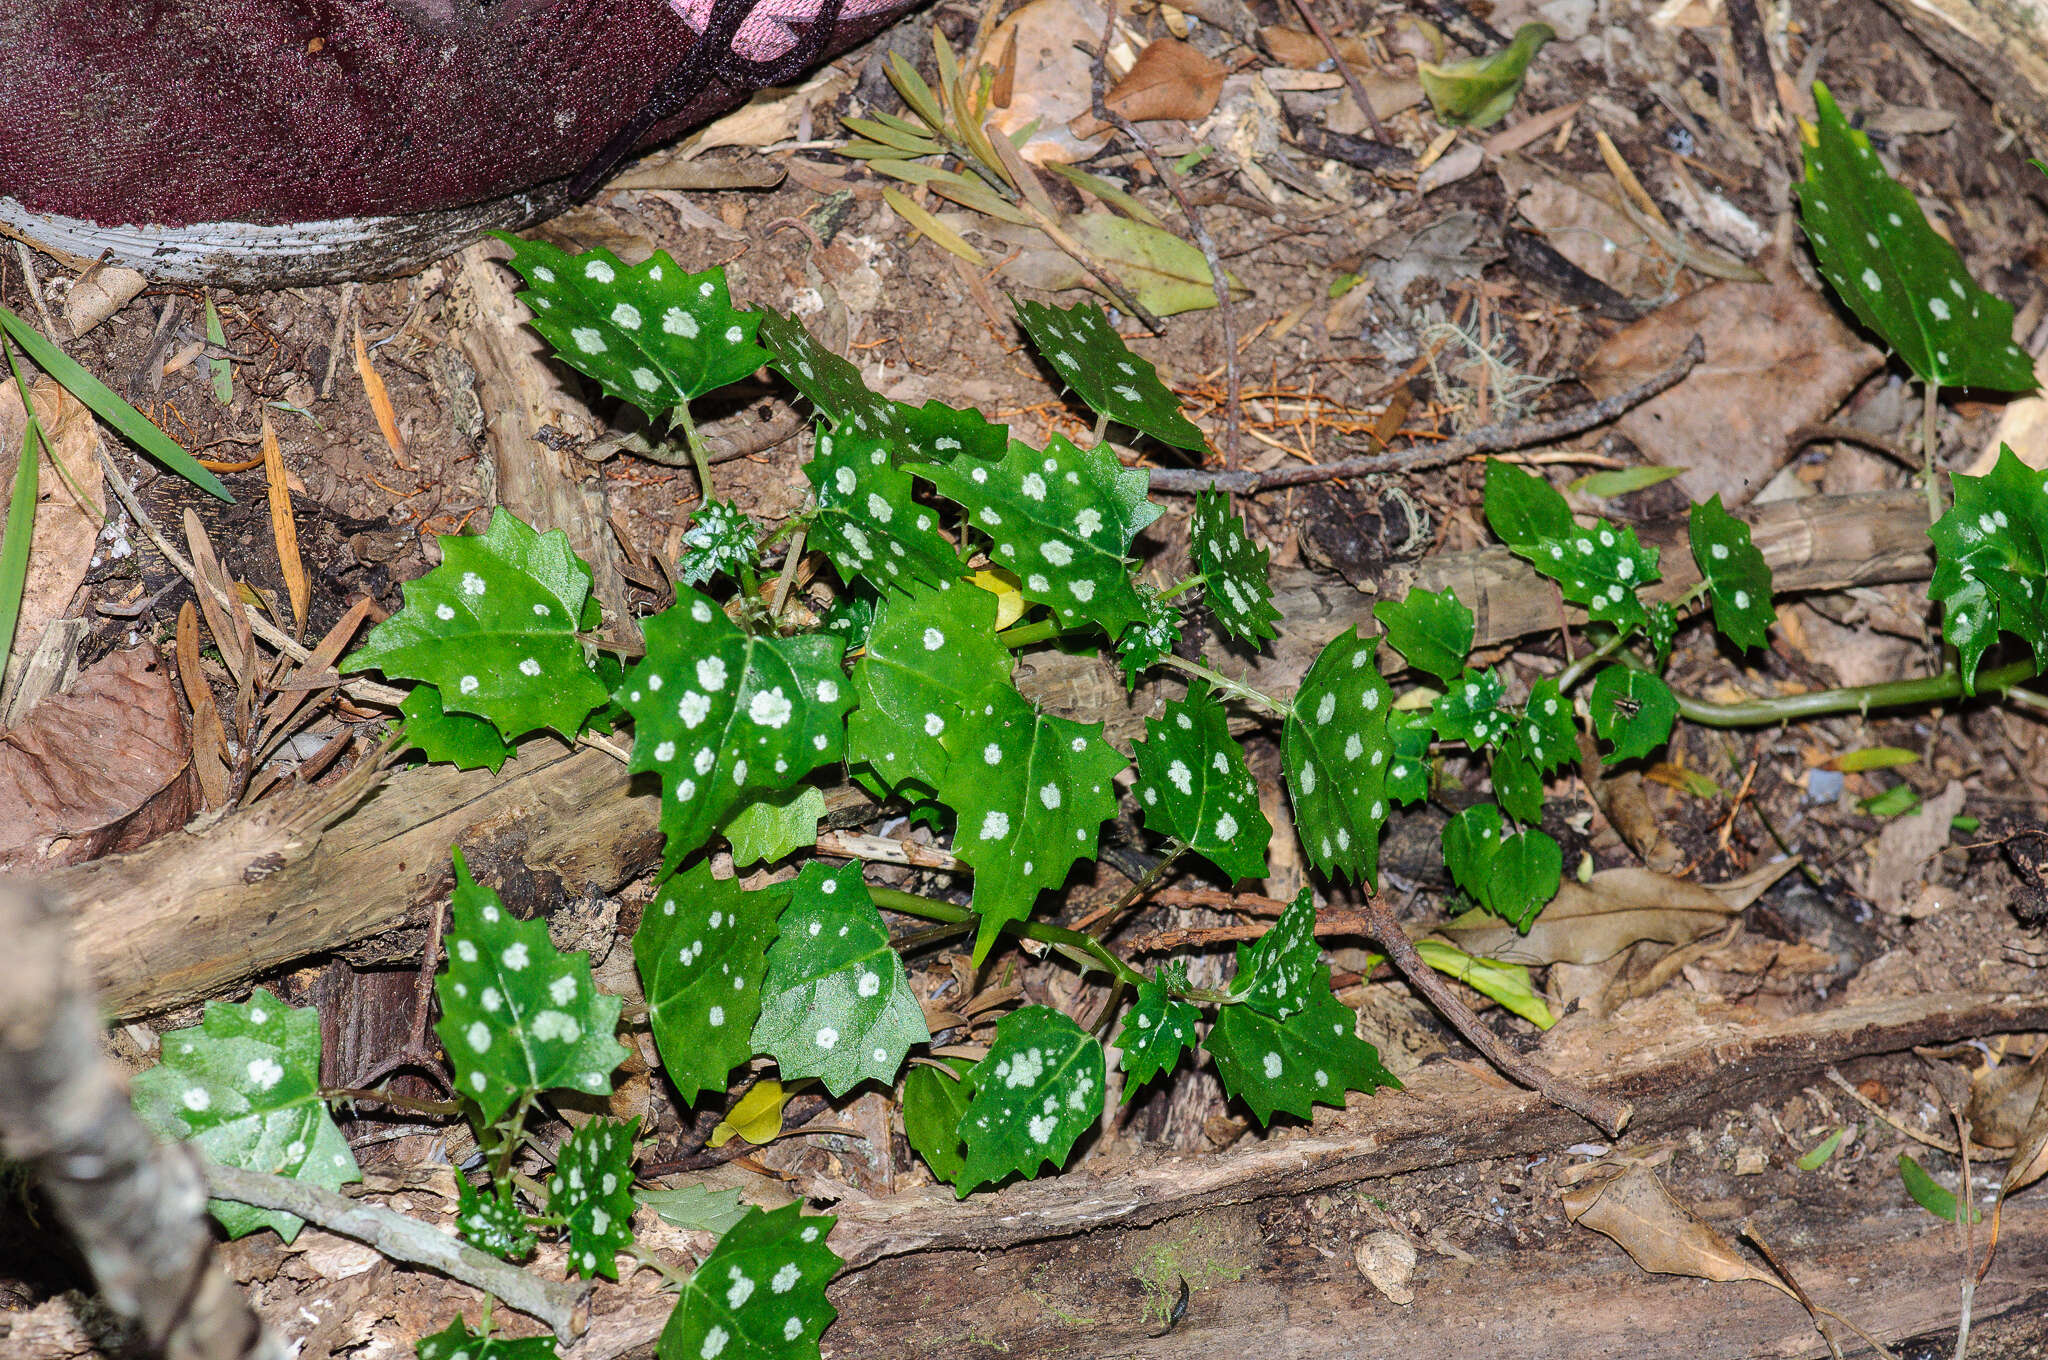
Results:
201 911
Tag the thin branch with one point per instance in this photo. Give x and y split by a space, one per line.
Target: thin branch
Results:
1315 26
1489 439
1935 1141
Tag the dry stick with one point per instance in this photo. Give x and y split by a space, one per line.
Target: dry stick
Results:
1490 439
1934 1141
1315 26
1609 1114
563 1306
1099 79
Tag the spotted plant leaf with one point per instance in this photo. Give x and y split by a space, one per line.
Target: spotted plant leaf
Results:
760 1294
938 433
1157 1029
934 1098
1991 555
1030 792
1233 569
1894 271
1408 766
867 520
518 1016
1546 731
1632 709
696 1206
836 1004
1472 710
1150 638
1039 1089
1194 786
929 651
592 1193
1517 785
723 716
491 1220
1738 579
1431 629
1660 629
721 539
775 825
493 628
1062 519
461 739
1289 1043
457 1342
1600 567
1335 746
651 334
1510 875
831 384
243 1087
1523 508
851 615
1090 357
701 948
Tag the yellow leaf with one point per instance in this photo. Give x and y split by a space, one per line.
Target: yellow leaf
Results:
1010 601
939 233
757 1118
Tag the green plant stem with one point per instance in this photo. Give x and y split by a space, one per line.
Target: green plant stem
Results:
700 458
669 1274
1931 689
1237 689
358 1095
1101 426
1931 392
1183 587
1572 674
1030 634
788 576
1136 892
1071 942
514 1128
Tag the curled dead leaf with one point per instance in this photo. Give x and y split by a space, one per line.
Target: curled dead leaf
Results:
1170 79
1587 923
69 509
1661 1235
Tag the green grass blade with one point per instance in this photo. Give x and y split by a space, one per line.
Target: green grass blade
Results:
21 520
130 423
223 371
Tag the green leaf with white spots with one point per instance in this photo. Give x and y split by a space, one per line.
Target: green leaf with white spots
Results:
244 1088
721 539
1633 710
775 825
461 739
1660 630
1517 786
1150 638
1062 519
1277 973
869 522
1431 629
836 1004
493 628
1030 793
851 615
1090 357
1546 731
1894 271
1523 508
491 1220
1194 786
1335 747
938 433
592 1193
1472 710
651 334
831 384
1233 569
518 1016
702 948
1600 567
1991 562
1157 1029
1738 579
929 651
457 1342
760 1294
696 1207
1510 875
1408 767
933 1101
723 716
1039 1089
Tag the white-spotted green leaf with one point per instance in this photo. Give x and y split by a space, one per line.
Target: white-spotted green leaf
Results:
1432 630
494 629
1039 1089
243 1087
1738 579
867 520
1030 793
928 652
1991 562
760 1294
938 433
1408 766
1090 357
1278 971
1062 519
1150 638
1157 1029
491 1220
1601 567
723 716
1517 784
775 825
721 539
695 1206
701 948
1511 875
1335 746
457 1342
836 1004
1546 731
592 1193
461 739
651 334
1632 709
1194 786
518 1016
1471 710
933 1101
831 384
1895 272
1233 569
1660 630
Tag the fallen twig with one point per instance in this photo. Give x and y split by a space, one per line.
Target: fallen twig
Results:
1315 26
1489 439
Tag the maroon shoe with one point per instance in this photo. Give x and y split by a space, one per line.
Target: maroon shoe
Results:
265 142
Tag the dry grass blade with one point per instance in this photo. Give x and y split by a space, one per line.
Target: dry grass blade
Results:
317 671
285 530
230 635
209 739
380 399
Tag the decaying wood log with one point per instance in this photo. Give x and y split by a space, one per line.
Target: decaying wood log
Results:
202 910
1999 46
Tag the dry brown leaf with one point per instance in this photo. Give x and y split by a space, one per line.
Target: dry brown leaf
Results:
1592 234
1305 51
209 739
2030 1154
67 526
2022 427
1892 878
1587 923
769 117
1052 82
1659 1234
1170 79
96 769
2003 1100
230 631
380 397
98 294
284 530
